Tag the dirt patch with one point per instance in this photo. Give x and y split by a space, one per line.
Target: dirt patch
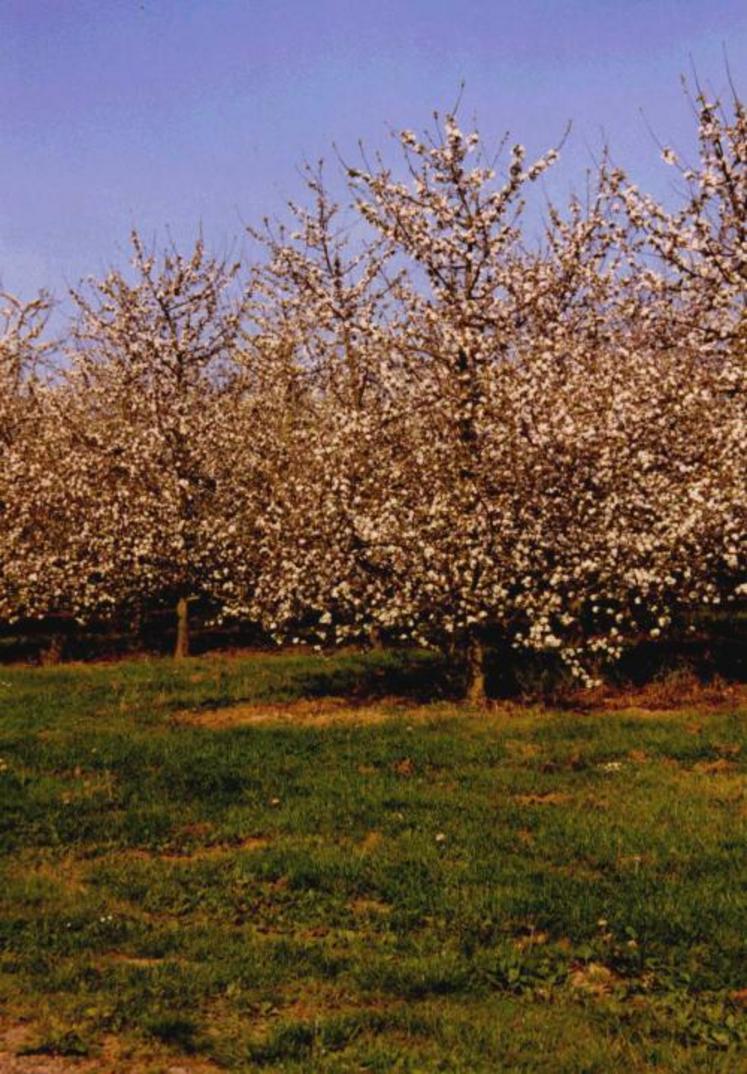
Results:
658 700
522 750
114 1056
547 798
67 873
57 1064
633 862
216 850
578 870
326 999
593 978
14 1038
317 712
369 907
716 768
371 841
137 961
198 853
678 691
87 785
49 1064
404 767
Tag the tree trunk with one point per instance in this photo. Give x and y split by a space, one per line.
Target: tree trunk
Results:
475 667
182 629
136 628
53 652
375 640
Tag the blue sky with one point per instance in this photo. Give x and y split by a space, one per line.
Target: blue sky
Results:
171 113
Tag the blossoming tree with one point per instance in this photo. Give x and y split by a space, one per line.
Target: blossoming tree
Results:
22 348
550 461
164 437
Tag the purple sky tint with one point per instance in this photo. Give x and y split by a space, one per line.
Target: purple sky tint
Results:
168 113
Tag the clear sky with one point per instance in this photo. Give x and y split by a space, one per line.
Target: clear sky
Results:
172 113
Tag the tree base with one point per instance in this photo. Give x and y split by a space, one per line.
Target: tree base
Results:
476 692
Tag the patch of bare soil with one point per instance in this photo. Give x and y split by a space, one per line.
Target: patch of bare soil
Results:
316 712
198 853
677 691
216 850
48 1064
66 872
663 697
716 768
578 870
369 907
371 841
593 978
547 798
138 962
57 1064
521 750
114 1057
308 1004
17 1037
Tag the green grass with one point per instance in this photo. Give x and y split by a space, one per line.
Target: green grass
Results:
437 891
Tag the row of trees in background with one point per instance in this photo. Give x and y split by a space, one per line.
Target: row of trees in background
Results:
409 421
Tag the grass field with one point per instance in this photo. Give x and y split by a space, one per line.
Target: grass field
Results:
231 864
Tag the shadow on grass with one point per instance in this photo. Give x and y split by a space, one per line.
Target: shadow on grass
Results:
716 650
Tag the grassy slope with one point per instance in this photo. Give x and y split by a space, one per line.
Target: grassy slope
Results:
439 891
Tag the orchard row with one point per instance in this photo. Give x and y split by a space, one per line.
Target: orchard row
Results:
408 418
